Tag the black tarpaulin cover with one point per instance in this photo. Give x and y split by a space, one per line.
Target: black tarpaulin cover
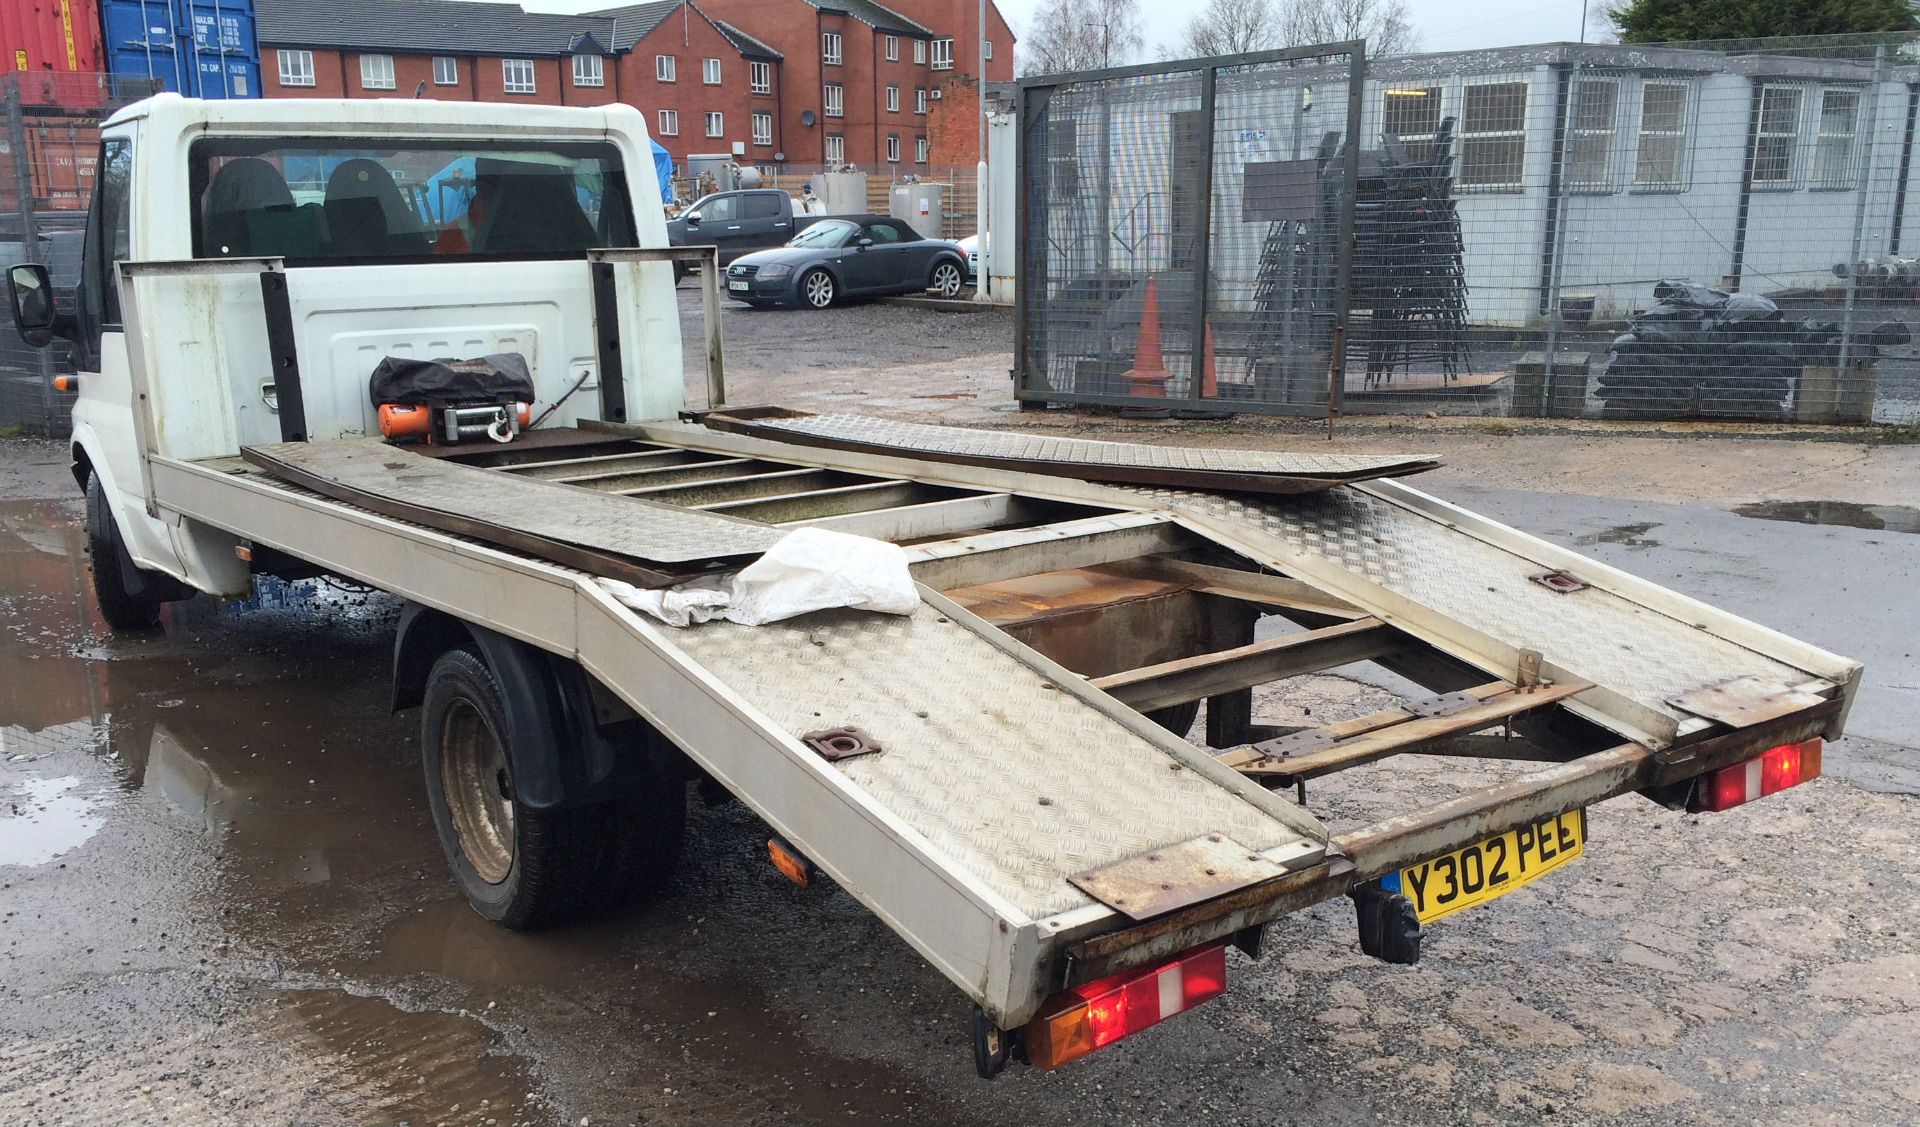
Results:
500 378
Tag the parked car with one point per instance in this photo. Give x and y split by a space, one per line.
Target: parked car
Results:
847 256
738 223
972 246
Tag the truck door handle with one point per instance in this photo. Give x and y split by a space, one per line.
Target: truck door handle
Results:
735 227
781 223
270 395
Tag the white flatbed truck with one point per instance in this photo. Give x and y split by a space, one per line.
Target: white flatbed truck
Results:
1002 775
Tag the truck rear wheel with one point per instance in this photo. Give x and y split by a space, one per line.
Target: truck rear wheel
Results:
129 595
522 866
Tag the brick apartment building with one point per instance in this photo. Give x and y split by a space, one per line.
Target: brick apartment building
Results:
796 82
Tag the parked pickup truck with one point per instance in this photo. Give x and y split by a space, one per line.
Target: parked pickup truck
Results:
739 222
1001 771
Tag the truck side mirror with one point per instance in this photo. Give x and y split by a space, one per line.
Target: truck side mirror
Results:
31 290
693 219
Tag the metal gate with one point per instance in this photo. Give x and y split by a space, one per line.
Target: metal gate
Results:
1186 233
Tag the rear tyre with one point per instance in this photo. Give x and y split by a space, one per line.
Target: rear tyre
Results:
518 866
129 595
817 289
947 280
1176 718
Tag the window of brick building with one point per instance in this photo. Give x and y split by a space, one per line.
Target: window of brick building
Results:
830 48
920 149
296 68
664 67
516 76
893 48
376 72
836 100
763 129
446 70
760 77
669 123
943 54
893 98
710 71
919 99
919 50
836 150
893 148
716 124
589 70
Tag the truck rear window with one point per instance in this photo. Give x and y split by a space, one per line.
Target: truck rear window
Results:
338 201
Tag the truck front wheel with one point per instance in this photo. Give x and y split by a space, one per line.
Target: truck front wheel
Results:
129 595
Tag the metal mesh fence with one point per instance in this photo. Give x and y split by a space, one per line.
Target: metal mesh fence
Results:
49 150
1181 241
1722 231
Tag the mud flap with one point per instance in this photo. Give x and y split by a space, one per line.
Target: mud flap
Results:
1389 930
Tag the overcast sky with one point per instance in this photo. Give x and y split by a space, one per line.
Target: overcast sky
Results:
1443 25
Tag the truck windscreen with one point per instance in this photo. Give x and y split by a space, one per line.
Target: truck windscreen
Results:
337 201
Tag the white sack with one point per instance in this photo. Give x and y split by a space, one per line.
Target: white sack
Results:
809 569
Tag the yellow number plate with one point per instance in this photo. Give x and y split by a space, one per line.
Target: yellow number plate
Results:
1493 867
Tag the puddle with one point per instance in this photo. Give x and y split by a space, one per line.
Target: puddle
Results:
1846 514
1628 535
420 1067
45 819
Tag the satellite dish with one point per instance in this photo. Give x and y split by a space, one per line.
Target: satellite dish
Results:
806 118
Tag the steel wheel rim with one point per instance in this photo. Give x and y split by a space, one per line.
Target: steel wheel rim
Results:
819 291
478 789
947 280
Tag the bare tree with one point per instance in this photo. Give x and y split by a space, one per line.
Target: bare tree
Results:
1384 24
1069 35
1233 27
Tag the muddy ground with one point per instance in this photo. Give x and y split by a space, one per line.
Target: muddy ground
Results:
221 901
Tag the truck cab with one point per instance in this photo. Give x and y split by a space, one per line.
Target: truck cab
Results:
740 222
391 228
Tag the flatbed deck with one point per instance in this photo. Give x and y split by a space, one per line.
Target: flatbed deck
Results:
1018 768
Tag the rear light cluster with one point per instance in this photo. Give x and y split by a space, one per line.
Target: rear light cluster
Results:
1095 1014
1776 770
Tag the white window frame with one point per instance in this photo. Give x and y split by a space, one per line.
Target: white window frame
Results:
922 149
893 48
920 52
1414 142
1676 133
1502 136
666 68
760 78
893 148
1581 132
988 44
1844 173
716 123
710 72
943 54
669 123
834 100
296 68
832 48
762 128
1788 139
376 72
919 99
589 70
528 84
893 97
836 149
450 74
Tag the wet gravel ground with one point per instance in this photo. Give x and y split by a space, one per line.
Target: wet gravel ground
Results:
221 901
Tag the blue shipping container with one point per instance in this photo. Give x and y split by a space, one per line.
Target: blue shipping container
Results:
200 48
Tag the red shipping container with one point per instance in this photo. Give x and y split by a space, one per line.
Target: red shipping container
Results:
56 48
64 154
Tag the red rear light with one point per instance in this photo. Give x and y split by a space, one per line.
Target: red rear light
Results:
1774 770
1095 1014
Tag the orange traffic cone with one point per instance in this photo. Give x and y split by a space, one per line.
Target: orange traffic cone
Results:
1148 376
